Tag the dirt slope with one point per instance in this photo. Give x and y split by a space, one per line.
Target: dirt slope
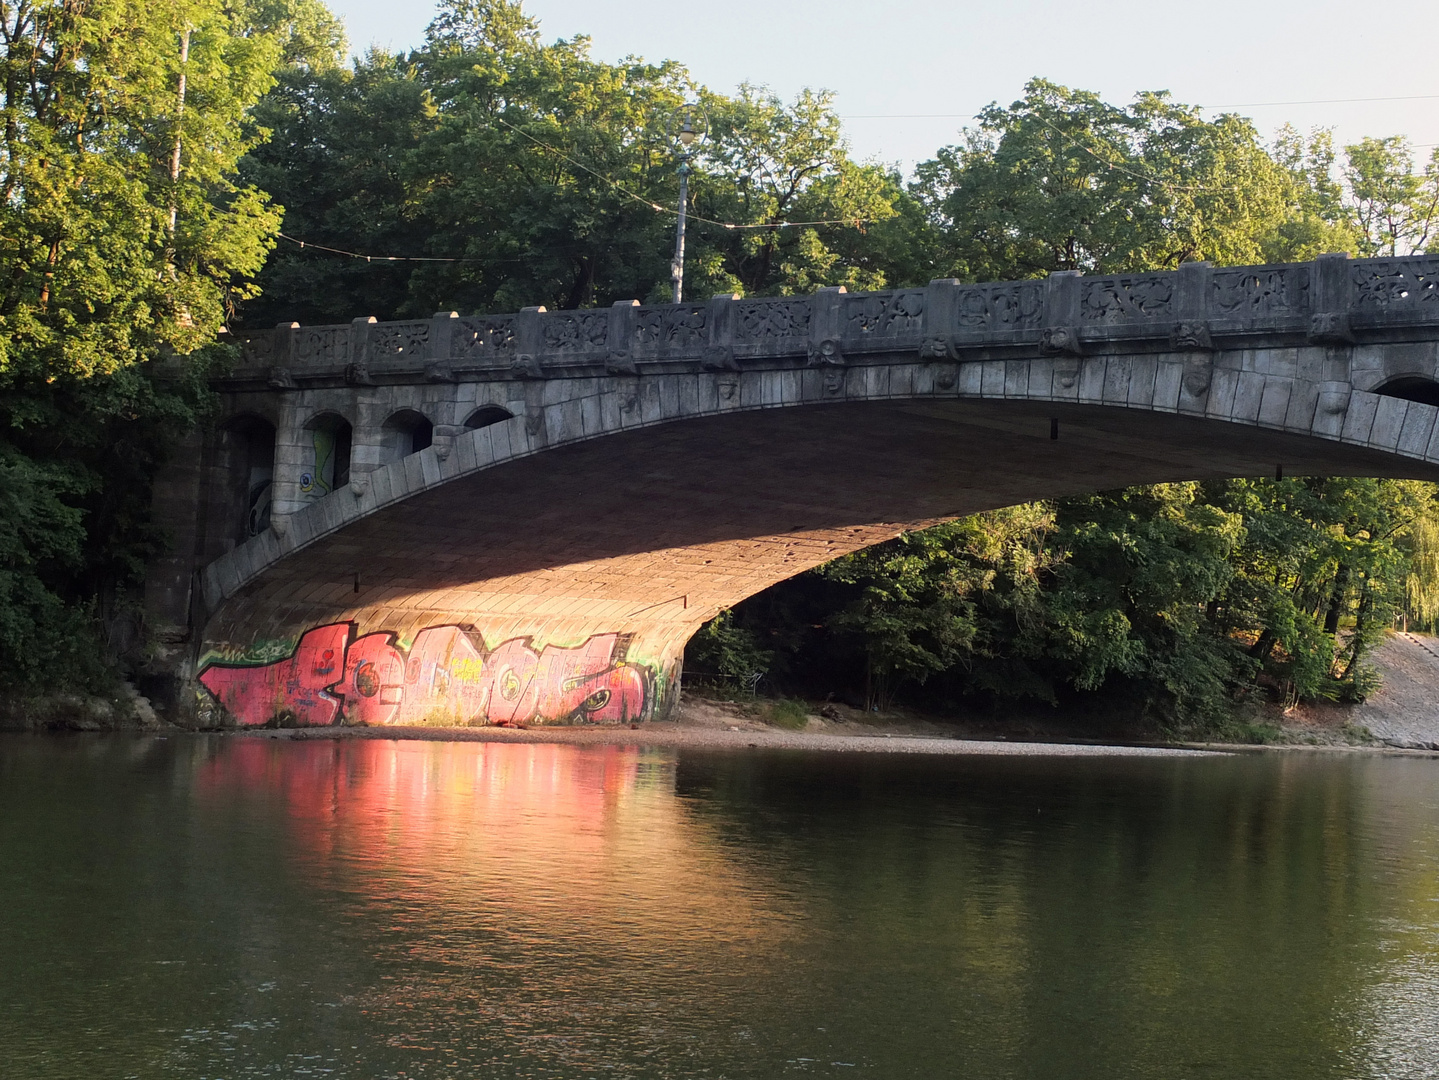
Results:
1405 710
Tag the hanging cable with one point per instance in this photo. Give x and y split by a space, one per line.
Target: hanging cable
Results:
1240 105
669 210
374 258
1171 185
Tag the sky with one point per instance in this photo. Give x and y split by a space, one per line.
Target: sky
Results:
909 76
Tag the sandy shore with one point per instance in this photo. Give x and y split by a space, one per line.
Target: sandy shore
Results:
682 736
708 724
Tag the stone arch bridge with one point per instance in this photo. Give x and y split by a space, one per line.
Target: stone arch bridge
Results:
513 518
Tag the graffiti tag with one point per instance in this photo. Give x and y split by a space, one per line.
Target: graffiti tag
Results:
445 677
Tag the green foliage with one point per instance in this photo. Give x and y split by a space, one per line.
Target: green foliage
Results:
1395 208
929 599
120 263
1182 602
787 713
1062 181
727 654
541 170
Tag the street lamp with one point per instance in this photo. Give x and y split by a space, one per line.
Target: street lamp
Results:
688 127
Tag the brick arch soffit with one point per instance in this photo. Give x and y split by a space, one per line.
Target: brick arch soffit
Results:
446 462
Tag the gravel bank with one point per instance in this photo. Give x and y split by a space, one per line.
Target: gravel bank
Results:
683 736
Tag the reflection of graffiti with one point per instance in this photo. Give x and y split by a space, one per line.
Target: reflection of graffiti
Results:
445 677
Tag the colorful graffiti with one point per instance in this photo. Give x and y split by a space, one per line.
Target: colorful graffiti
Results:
446 677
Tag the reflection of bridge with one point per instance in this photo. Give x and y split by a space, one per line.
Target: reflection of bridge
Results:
602 482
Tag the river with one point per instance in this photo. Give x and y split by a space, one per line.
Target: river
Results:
217 908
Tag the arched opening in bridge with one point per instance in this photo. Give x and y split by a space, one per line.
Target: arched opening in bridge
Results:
247 458
406 432
1412 388
327 464
486 415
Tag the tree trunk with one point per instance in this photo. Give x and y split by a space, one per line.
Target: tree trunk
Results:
1336 600
582 285
1361 621
1261 649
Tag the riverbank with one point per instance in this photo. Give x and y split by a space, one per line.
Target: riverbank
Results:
680 736
1402 716
716 725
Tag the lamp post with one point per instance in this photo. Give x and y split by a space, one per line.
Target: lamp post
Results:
691 130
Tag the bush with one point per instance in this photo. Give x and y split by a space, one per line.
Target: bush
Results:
787 713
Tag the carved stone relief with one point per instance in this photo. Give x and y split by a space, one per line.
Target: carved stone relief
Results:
1255 293
576 333
258 350
1060 340
769 320
1191 335
673 327
1125 299
1395 282
322 345
484 336
718 358
826 353
1001 307
400 339
884 313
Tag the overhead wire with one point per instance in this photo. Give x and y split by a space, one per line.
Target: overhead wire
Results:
306 244
1171 185
671 211
613 183
1240 105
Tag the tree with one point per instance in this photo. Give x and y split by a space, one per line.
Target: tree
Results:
782 174
515 172
1318 221
1061 180
1395 208
127 241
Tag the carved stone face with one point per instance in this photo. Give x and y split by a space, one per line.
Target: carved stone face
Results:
1196 378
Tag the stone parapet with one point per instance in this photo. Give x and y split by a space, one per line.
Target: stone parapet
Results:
1332 300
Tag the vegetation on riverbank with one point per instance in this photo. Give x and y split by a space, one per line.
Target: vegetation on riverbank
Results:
1177 603
144 214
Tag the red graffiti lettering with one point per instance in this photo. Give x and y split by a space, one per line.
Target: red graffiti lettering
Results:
292 689
374 685
446 678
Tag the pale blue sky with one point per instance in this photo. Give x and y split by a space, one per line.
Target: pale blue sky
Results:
956 56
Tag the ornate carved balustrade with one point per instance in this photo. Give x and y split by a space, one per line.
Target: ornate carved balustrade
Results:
1334 300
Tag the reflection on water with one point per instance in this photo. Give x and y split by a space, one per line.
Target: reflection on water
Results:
214 907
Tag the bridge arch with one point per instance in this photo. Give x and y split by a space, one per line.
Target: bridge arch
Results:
325 466
1421 388
542 529
246 459
634 493
486 415
406 432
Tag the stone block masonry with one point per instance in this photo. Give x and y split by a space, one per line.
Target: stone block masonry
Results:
600 483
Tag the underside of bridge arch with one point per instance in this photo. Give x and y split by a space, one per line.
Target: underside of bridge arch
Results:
564 585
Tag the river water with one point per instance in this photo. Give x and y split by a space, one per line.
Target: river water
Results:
209 907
